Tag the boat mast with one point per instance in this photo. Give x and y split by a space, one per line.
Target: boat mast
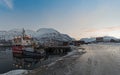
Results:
23 33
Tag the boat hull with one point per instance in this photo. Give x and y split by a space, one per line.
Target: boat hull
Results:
28 52
17 49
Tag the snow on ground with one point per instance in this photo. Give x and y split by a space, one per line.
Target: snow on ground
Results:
16 72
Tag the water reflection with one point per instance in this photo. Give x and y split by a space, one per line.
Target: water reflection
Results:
6 59
24 62
10 61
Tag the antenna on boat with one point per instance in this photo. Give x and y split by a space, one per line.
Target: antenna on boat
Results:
23 33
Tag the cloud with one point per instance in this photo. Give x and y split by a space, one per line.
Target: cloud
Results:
107 31
9 3
105 14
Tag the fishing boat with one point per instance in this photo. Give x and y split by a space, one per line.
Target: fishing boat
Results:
22 43
24 46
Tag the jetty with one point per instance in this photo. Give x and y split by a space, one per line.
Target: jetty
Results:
57 50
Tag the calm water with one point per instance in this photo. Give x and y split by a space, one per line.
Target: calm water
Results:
9 62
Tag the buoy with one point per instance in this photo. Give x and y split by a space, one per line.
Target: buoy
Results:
16 66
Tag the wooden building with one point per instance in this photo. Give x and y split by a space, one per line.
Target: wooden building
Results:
99 39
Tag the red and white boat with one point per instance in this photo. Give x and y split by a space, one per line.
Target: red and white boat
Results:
22 43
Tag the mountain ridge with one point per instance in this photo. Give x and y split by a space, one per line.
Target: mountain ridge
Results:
41 34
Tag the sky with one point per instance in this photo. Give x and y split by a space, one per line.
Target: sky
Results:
77 18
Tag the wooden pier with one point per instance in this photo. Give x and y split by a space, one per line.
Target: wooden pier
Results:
57 50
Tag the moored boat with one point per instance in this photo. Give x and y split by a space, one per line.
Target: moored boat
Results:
24 46
22 43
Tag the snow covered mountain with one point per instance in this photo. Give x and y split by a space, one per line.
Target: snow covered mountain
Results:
48 34
105 39
8 35
108 38
86 40
41 34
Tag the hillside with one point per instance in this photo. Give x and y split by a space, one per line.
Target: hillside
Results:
41 35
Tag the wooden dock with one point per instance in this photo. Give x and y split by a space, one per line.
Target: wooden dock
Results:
57 50
50 50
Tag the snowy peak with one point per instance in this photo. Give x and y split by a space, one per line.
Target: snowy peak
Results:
47 31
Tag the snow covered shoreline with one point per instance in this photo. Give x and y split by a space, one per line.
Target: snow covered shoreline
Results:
72 53
16 72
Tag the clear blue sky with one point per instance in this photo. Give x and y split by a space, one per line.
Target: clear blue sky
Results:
78 18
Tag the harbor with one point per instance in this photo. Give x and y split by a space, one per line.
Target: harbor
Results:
59 37
25 52
13 62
